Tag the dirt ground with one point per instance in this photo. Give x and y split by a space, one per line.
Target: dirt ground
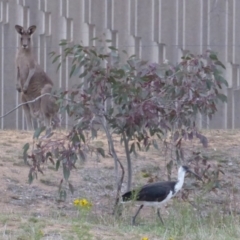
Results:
94 180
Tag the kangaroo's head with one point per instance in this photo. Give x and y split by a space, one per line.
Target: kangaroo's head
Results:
25 35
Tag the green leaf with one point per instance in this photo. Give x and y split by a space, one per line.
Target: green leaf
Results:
159 136
121 73
71 188
213 56
186 57
132 148
155 144
56 58
92 39
209 84
57 164
25 149
52 161
94 52
67 51
112 79
169 169
60 185
113 48
101 151
148 146
30 177
66 172
72 70
177 156
63 43
221 80
103 56
73 159
82 136
38 131
80 85
139 146
49 154
62 195
222 97
132 56
83 74
220 64
182 154
51 54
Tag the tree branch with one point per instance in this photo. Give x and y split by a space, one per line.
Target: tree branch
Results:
18 106
32 101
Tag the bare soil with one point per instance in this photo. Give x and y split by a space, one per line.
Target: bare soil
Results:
95 181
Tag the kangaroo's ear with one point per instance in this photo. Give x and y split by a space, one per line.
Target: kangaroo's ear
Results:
19 29
31 29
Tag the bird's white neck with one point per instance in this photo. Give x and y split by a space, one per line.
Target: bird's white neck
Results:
179 184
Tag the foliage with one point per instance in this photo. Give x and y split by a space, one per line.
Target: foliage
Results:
135 99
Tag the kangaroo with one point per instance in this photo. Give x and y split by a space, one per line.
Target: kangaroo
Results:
32 82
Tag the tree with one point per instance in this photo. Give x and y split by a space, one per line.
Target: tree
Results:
135 99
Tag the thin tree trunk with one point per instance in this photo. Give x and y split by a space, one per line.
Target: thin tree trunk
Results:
111 149
129 162
116 162
119 187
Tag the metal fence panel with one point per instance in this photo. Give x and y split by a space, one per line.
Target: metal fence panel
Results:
154 30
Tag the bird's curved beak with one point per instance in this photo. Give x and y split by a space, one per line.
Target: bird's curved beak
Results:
196 175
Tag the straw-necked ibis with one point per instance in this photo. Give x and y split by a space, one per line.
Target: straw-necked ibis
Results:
155 194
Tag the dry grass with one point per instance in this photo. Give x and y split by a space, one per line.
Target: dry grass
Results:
33 212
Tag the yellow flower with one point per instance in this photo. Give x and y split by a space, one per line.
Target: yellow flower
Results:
84 203
145 238
76 202
171 238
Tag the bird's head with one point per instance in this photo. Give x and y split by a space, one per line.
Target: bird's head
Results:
186 169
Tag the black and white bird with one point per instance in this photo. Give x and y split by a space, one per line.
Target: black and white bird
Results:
158 193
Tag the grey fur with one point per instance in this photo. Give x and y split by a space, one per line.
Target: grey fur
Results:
32 82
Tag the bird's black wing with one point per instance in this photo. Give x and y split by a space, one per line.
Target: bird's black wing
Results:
151 192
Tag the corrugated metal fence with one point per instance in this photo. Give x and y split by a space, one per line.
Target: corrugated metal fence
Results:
152 29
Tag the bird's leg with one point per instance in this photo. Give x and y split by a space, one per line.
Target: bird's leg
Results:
158 213
134 218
